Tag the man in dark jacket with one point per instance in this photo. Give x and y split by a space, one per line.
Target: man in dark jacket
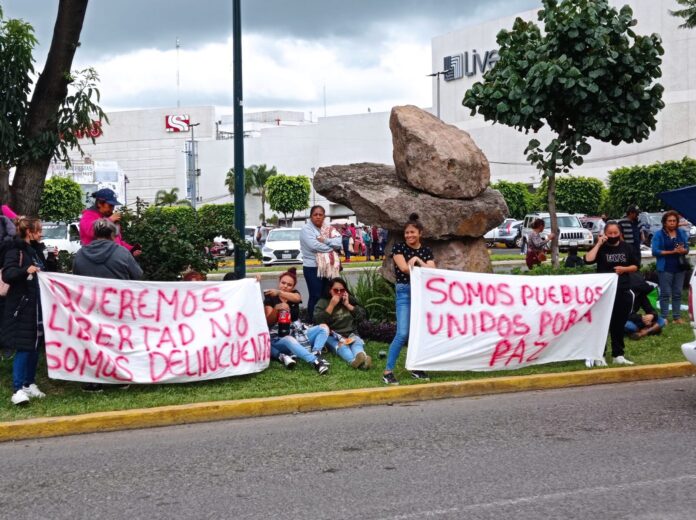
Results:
104 258
630 229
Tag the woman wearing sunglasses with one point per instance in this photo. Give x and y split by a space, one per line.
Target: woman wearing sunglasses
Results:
341 312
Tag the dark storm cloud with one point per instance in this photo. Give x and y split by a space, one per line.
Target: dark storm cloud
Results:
119 26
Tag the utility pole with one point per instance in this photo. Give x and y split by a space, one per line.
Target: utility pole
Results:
192 173
178 97
437 76
239 253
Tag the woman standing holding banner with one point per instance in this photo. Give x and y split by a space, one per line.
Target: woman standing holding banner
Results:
613 255
670 246
22 327
407 254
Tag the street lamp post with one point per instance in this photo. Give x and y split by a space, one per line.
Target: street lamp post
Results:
314 191
192 166
239 253
126 181
437 76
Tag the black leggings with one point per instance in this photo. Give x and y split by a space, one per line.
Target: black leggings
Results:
619 316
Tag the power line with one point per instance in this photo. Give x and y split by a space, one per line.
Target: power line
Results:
603 159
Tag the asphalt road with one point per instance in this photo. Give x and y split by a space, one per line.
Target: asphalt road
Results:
615 452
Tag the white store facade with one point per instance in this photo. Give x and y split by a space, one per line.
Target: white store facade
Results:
152 153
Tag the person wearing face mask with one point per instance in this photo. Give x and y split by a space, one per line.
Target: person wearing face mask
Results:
669 247
22 327
409 254
613 255
318 243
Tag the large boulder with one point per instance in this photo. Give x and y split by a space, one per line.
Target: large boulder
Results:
435 157
378 196
468 254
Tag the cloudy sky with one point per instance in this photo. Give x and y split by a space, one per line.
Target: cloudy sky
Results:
365 53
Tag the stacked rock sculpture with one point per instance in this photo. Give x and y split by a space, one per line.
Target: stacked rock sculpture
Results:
440 174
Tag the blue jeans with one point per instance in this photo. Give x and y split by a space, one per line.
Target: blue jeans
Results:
670 289
346 352
291 347
24 368
346 247
315 286
317 337
403 322
631 327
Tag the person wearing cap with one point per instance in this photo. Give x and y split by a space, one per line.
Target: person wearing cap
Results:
630 229
104 203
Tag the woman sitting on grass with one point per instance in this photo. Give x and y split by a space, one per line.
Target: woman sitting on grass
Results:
341 312
282 308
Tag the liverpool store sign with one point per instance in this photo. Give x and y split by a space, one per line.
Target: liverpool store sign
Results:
469 64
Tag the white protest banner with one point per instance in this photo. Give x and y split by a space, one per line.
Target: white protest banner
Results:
474 321
118 331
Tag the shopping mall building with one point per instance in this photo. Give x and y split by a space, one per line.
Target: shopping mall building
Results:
153 147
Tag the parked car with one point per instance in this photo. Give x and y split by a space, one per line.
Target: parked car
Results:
653 225
569 230
282 247
59 236
494 235
510 233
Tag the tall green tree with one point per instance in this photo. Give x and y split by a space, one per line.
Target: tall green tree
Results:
255 177
688 13
288 194
42 121
575 195
170 198
61 200
586 75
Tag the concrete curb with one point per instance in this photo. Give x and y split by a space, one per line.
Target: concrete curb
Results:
222 410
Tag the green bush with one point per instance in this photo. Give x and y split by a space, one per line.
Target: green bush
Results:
217 219
641 184
575 195
517 197
376 295
61 200
171 239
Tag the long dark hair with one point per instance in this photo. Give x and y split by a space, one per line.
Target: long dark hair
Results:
338 279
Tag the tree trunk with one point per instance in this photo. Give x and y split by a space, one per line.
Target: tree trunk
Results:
50 92
553 217
4 184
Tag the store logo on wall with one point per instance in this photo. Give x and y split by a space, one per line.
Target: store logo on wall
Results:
92 133
466 64
177 123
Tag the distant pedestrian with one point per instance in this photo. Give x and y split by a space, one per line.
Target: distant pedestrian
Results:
536 245
375 242
22 327
104 204
367 240
631 231
359 246
407 255
317 239
346 238
670 246
383 236
573 260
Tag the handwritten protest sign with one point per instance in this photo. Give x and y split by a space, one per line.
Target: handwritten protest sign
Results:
116 331
473 321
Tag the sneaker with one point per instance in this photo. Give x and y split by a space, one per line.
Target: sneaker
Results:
122 387
620 360
20 397
288 361
33 391
321 367
389 379
367 365
318 355
93 388
592 362
419 374
359 360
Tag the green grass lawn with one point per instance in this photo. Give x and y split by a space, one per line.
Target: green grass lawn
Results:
66 398
281 268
